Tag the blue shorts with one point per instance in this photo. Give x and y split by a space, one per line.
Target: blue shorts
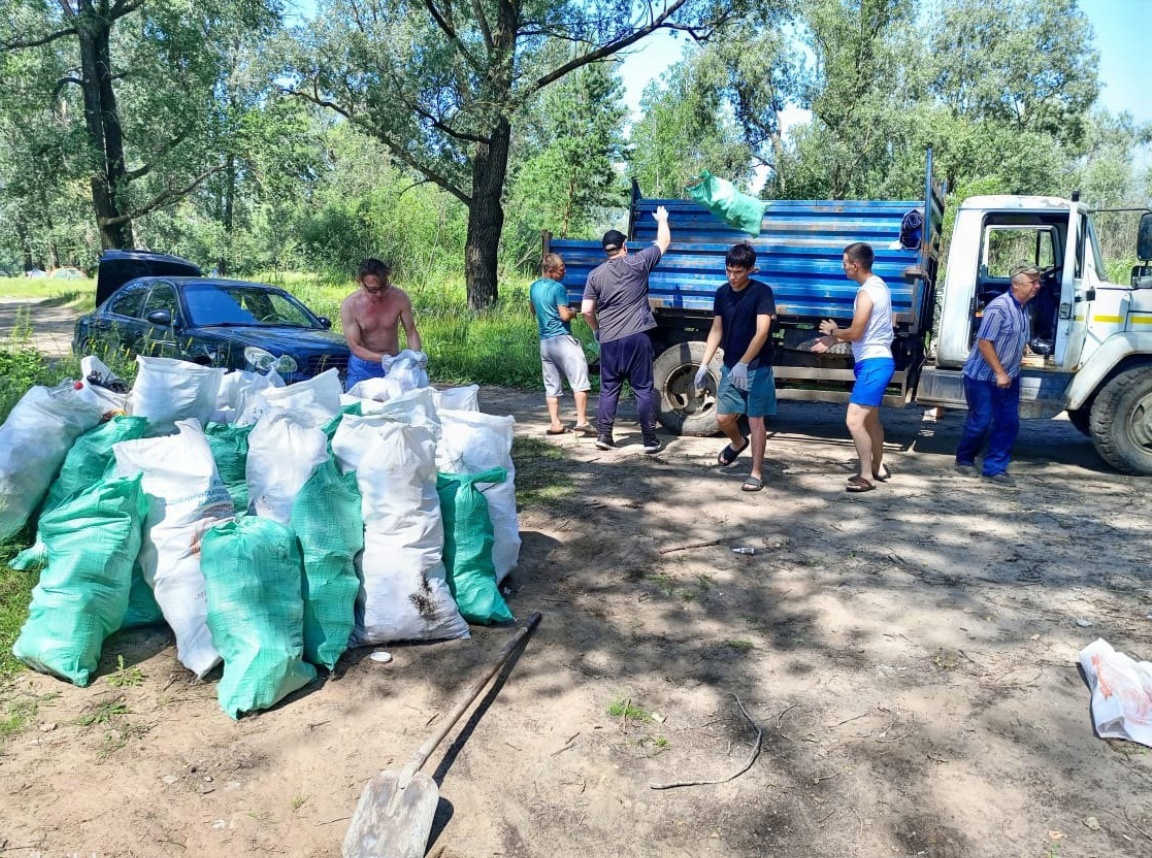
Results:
361 370
759 400
872 376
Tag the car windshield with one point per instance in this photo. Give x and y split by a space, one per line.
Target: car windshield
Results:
244 304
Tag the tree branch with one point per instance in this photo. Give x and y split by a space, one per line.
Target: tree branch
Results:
36 42
450 31
482 22
63 82
169 196
607 50
397 150
124 7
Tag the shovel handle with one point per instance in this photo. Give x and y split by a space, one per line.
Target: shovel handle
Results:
425 751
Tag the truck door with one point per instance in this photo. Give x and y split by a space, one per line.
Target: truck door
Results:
1084 321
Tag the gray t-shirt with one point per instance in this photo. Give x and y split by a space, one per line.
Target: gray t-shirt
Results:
620 289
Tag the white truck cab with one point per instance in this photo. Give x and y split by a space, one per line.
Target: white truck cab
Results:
1091 348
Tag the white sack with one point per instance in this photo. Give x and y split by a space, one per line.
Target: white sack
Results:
457 398
92 367
356 432
471 442
370 388
185 498
239 386
168 390
315 401
283 452
404 592
1121 693
34 441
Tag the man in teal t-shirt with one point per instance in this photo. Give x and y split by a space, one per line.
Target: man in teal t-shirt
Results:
560 352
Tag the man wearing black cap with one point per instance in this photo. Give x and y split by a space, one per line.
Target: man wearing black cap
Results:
992 379
616 307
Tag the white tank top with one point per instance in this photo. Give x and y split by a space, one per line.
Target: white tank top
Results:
878 336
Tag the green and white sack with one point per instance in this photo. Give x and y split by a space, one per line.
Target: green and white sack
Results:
327 520
92 542
468 546
252 568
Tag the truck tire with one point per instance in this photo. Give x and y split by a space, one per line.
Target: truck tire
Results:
682 410
1121 421
1081 418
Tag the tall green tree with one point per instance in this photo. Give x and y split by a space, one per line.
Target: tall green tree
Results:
145 74
443 84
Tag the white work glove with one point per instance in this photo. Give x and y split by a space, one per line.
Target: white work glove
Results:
739 376
701 375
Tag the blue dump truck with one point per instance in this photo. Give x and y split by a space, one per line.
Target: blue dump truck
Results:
1091 352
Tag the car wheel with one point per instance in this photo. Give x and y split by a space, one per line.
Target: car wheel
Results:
683 410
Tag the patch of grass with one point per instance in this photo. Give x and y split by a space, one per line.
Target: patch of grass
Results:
705 582
119 738
541 473
945 660
32 288
124 677
15 594
671 588
103 713
623 707
740 645
17 716
298 802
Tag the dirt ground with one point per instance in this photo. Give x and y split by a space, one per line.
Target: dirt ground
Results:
906 659
51 321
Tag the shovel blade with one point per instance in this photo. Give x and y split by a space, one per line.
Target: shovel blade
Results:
391 822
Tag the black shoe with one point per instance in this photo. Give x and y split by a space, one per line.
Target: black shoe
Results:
652 445
604 442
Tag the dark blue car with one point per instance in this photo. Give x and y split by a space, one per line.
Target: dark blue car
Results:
162 306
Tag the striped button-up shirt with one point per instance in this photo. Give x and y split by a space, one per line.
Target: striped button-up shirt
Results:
1007 327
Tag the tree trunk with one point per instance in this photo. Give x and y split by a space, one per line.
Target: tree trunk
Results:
223 264
486 216
103 125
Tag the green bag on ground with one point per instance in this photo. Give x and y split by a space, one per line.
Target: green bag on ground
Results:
92 541
229 446
468 546
332 425
85 465
252 572
142 607
328 522
719 196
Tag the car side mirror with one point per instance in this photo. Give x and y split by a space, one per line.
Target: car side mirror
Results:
326 323
160 318
1144 237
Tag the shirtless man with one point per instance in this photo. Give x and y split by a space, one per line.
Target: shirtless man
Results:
371 317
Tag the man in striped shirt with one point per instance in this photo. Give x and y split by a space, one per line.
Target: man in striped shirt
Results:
992 379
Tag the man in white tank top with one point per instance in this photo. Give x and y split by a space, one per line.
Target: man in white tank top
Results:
871 337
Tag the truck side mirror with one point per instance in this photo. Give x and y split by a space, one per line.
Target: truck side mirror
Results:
1144 237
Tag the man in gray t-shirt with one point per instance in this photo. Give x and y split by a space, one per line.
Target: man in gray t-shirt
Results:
616 307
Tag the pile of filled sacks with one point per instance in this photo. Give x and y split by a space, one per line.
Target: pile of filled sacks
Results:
270 527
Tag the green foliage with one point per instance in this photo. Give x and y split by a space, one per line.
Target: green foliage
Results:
15 596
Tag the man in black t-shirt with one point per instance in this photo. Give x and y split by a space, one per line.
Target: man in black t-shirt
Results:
742 318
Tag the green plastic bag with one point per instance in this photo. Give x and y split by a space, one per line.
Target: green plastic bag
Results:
85 465
252 570
92 542
229 446
328 522
720 197
332 425
468 546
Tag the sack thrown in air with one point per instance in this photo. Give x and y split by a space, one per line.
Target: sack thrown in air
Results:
719 196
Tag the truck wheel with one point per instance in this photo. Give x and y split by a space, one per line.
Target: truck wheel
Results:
1081 418
1121 421
682 410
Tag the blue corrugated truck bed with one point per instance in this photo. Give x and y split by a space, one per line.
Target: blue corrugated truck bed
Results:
799 252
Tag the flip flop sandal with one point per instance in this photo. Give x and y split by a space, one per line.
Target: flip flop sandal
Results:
884 476
857 485
563 431
752 484
728 455
585 429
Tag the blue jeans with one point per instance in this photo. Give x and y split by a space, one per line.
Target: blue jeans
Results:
627 359
362 370
993 416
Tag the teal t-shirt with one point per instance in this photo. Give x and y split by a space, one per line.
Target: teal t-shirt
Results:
546 295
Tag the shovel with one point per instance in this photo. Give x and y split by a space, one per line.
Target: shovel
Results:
394 816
